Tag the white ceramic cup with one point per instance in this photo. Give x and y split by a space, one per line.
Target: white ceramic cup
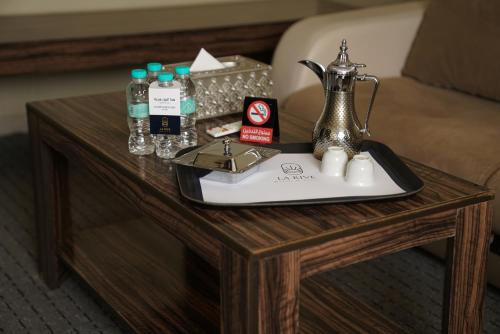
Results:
360 171
334 161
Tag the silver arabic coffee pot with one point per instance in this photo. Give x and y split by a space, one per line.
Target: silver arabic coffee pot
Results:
338 124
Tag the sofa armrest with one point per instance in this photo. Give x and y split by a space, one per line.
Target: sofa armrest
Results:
379 37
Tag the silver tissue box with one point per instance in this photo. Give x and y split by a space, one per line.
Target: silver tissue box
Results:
221 92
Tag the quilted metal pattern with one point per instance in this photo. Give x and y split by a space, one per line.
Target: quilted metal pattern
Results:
338 125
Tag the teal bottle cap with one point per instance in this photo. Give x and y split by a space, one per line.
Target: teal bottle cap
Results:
139 74
154 67
182 70
165 76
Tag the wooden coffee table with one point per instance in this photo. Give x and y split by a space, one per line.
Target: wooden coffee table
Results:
166 265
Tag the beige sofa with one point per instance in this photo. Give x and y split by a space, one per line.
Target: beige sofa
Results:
455 132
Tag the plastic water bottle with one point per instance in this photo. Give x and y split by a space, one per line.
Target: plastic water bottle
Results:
167 145
140 141
153 70
189 136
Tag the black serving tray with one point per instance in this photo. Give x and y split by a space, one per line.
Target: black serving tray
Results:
190 188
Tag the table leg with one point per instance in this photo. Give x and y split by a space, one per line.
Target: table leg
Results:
49 171
466 272
259 296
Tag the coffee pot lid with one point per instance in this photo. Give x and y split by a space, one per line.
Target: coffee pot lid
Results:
342 65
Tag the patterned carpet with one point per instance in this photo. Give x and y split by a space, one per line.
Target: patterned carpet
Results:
406 286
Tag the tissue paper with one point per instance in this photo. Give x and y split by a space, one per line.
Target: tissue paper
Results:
205 62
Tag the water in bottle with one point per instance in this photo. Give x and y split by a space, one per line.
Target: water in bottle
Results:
140 141
189 137
167 145
153 70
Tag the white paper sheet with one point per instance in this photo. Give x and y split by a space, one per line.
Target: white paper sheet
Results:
204 61
289 177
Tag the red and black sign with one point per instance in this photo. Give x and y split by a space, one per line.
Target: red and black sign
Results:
260 120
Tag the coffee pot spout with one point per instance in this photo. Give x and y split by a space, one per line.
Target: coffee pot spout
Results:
318 69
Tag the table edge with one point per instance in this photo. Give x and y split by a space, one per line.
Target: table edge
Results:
251 252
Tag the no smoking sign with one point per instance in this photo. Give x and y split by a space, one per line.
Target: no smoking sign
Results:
258 112
260 120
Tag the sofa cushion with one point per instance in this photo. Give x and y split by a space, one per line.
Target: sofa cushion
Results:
445 129
457 47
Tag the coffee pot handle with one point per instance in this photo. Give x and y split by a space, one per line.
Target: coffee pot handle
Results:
365 77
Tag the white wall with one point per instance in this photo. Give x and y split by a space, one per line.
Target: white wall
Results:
16 91
367 3
16 25
34 7
165 15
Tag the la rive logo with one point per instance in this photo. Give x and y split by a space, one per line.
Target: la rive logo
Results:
291 168
164 122
293 172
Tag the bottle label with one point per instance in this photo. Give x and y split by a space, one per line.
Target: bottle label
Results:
165 109
188 106
139 110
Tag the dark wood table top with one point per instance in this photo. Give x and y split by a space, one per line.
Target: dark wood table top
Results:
99 123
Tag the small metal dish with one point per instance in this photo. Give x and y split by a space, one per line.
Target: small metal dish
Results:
229 161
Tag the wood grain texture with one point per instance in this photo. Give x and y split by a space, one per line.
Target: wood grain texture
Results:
149 278
50 206
173 219
156 285
259 296
235 293
98 124
261 254
371 244
466 275
278 291
257 41
326 309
